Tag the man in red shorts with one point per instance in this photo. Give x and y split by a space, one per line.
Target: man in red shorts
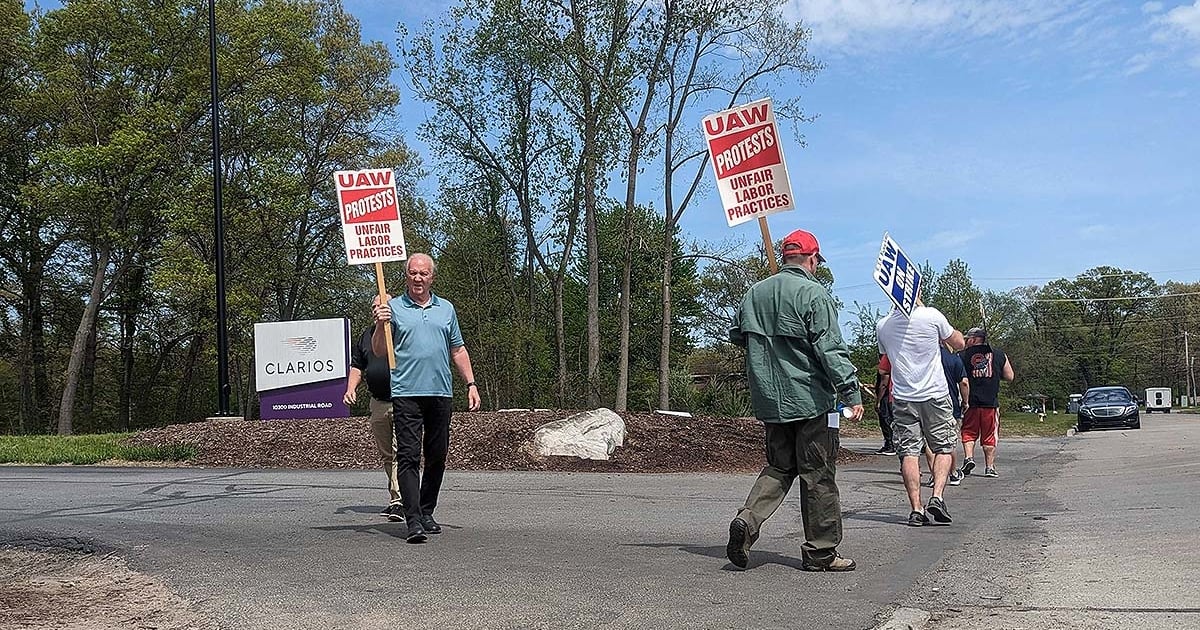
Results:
981 420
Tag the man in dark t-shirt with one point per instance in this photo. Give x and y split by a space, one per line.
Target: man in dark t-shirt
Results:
365 365
985 367
956 380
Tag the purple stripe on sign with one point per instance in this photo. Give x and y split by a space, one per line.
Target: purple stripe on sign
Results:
311 400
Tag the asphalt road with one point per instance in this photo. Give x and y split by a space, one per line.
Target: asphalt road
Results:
1105 538
307 549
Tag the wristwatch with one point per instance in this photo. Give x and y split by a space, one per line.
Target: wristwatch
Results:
472 384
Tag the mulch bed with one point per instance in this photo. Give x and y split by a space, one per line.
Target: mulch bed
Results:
486 440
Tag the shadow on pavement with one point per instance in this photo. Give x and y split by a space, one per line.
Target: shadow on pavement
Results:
890 518
359 509
757 558
395 530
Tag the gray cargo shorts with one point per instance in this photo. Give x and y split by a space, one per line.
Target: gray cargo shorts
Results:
916 423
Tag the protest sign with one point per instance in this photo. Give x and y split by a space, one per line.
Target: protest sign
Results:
370 214
896 274
747 158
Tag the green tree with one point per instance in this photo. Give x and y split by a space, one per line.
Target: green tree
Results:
954 294
114 89
488 74
1091 319
701 76
302 97
644 289
31 234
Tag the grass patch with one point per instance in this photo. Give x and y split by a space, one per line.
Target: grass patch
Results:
1013 424
85 449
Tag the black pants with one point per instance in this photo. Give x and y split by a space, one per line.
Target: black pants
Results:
885 421
421 421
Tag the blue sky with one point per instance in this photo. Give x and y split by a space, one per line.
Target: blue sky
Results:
1033 139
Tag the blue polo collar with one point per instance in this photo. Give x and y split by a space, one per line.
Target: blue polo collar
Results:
409 303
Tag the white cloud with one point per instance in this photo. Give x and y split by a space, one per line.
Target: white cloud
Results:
1139 63
1178 30
952 240
867 23
1184 20
1152 7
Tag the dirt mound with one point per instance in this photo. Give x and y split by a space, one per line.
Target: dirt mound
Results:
62 589
486 440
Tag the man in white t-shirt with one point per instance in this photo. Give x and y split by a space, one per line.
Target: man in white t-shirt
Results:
922 412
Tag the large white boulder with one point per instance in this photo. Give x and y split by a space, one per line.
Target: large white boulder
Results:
588 435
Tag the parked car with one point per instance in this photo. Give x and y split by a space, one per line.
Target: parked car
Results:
1108 408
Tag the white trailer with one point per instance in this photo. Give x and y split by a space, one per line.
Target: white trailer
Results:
1158 399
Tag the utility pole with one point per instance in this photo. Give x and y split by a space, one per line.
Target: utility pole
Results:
218 221
1187 364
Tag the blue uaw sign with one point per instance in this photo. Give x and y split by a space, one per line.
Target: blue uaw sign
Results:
896 274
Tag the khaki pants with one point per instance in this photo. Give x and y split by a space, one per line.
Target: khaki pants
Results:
804 450
385 441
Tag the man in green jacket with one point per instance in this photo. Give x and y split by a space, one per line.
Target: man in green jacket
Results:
798 367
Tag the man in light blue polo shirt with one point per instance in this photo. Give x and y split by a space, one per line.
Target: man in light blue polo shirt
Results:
427 339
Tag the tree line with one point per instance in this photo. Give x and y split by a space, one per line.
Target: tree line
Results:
544 115
565 149
1106 326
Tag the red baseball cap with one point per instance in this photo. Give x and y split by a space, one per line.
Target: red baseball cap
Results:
802 242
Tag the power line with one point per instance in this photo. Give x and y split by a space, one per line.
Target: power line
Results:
1114 299
1174 319
1104 275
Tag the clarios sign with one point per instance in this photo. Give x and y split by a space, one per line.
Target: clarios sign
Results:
294 353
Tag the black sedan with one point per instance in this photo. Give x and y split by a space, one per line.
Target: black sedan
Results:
1108 408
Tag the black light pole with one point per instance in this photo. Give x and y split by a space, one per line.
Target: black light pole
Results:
219 225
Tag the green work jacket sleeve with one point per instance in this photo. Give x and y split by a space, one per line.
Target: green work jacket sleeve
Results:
826 338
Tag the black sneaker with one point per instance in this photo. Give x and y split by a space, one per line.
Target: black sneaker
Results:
416 533
956 477
937 509
886 450
740 541
431 526
967 467
928 483
990 472
394 512
917 519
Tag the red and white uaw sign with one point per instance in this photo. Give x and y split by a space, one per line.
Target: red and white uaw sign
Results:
747 158
367 204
